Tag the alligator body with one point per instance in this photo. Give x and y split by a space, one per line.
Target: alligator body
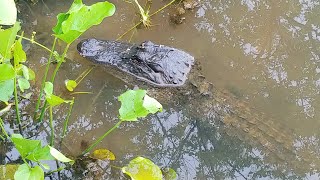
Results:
171 67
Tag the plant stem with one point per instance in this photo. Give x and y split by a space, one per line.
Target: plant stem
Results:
81 92
51 126
34 42
1 137
101 138
16 102
57 170
45 77
25 161
83 75
117 167
2 127
67 120
43 110
59 63
6 134
140 8
128 30
165 6
52 79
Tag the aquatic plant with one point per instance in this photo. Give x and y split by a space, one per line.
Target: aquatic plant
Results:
145 17
15 77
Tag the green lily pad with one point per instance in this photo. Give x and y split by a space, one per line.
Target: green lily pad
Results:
70 84
136 104
142 168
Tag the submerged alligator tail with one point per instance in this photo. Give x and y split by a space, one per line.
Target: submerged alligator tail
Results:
164 66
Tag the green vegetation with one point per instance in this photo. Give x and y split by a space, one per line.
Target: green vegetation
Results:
140 167
15 77
145 16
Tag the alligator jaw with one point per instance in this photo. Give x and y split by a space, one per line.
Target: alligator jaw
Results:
156 64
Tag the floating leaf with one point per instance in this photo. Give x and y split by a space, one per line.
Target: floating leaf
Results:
6 72
6 90
151 104
80 18
70 84
142 168
136 104
59 156
7 171
26 173
7 38
23 84
131 105
103 154
8 13
169 174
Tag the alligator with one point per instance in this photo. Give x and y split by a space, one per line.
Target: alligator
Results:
164 67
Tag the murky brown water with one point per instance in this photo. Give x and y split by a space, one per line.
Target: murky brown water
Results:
264 52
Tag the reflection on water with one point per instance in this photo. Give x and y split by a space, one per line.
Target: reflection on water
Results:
275 46
264 52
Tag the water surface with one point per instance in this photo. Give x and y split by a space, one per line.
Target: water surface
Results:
263 52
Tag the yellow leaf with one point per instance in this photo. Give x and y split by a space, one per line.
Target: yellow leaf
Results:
7 171
103 154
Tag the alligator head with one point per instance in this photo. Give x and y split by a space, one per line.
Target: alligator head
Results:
156 64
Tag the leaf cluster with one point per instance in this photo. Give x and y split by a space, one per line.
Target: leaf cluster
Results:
34 151
14 73
10 48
